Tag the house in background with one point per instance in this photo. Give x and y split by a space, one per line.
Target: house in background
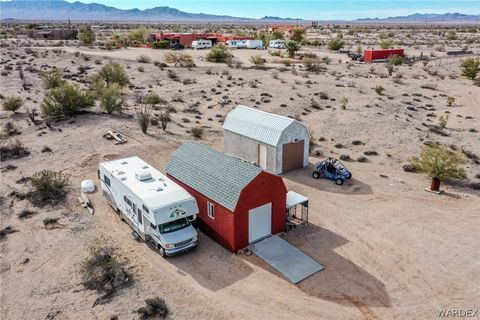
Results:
275 143
238 202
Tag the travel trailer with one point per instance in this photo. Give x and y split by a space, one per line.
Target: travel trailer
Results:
201 44
245 44
277 44
156 208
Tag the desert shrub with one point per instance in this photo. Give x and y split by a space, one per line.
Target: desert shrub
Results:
156 308
386 43
335 44
408 167
12 104
441 162
26 213
46 149
257 61
112 72
343 103
389 64
111 98
292 47
183 60
50 221
9 129
104 271
163 44
52 79
66 100
286 63
451 35
396 59
143 117
311 64
219 53
197 132
13 150
470 67
7 230
48 188
86 36
253 84
442 121
298 35
138 35
450 101
144 59
379 89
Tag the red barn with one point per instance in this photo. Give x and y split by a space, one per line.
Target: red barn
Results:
383 54
238 202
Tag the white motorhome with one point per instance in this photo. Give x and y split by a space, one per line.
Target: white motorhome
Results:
245 44
157 209
277 44
201 44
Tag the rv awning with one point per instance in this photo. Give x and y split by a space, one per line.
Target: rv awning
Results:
294 198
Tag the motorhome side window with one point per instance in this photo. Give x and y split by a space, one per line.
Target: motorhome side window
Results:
106 180
211 210
145 208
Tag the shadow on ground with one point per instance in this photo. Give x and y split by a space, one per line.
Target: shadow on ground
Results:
351 186
341 281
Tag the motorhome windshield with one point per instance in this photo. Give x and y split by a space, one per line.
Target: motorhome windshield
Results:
173 226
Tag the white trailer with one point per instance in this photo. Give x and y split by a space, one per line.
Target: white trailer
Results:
155 207
245 44
277 44
202 44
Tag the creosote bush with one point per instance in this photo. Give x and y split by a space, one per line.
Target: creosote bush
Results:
13 150
111 98
335 44
379 89
470 68
197 132
66 100
12 104
53 79
144 59
48 188
112 72
257 61
183 60
155 308
292 47
104 271
220 53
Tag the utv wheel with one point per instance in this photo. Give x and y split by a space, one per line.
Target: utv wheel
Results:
316 175
339 182
349 175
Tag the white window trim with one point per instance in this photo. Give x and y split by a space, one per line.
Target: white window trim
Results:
211 210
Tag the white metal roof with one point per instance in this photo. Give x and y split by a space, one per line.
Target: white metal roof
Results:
256 124
156 192
294 198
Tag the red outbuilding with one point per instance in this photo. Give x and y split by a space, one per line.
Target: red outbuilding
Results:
238 202
381 54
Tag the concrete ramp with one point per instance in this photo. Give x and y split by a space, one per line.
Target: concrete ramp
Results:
288 260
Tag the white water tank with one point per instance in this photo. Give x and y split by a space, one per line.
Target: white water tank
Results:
88 186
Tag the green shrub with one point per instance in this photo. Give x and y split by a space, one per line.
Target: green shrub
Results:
86 36
138 35
110 73
183 60
66 100
379 89
386 43
335 44
12 104
52 79
311 64
144 59
292 47
257 61
143 118
440 162
470 67
163 44
219 53
343 103
197 132
155 308
111 98
450 101
442 121
48 188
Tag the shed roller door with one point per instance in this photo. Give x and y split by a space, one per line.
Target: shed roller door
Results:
259 222
293 155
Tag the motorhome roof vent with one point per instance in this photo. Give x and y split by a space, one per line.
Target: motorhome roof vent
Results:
143 175
124 162
158 188
145 167
120 173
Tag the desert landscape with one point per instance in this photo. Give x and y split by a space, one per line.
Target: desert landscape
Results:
390 249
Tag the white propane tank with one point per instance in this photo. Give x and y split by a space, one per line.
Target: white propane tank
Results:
88 186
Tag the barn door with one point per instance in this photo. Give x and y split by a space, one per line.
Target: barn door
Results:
292 157
259 222
262 156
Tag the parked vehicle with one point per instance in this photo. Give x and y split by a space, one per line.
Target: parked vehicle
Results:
245 44
177 46
277 44
158 210
331 169
202 44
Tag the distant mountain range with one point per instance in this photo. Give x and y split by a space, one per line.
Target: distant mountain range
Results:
429 17
56 10
61 10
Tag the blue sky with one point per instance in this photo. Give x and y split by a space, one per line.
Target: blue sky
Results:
306 9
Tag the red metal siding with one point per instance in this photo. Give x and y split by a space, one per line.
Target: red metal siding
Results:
370 55
230 229
265 188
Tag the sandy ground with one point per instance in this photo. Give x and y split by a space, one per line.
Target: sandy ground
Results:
390 250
